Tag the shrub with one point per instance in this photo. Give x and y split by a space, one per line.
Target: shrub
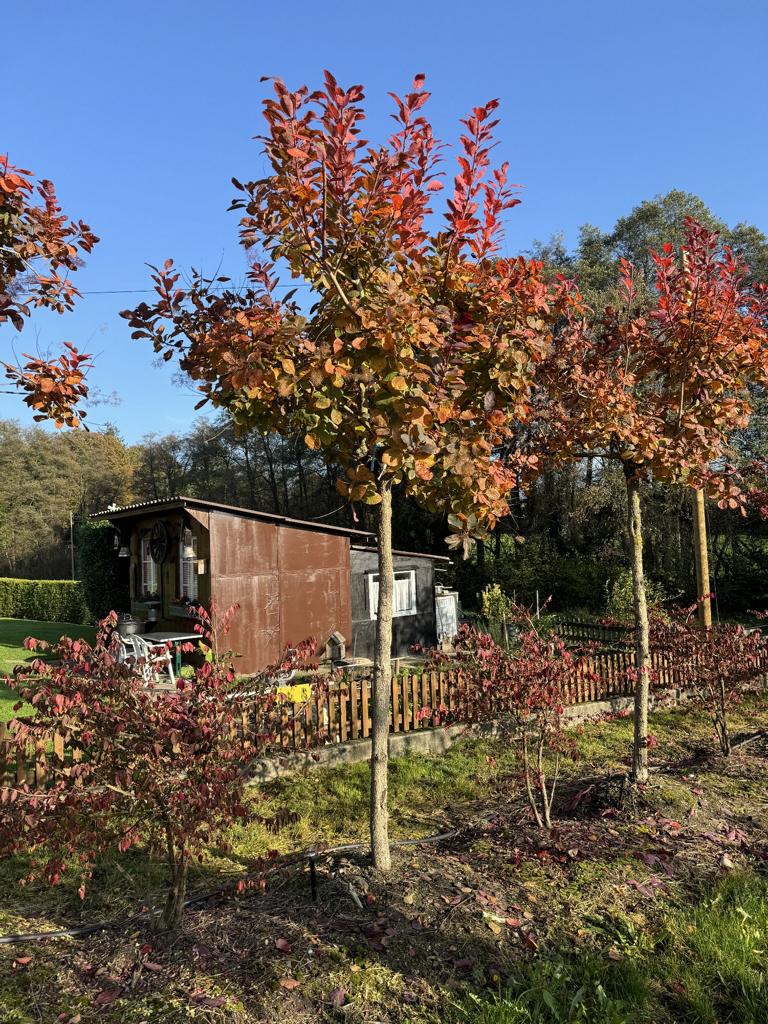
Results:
619 603
46 600
524 694
165 769
725 661
104 576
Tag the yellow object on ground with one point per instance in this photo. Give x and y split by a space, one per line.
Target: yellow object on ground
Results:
297 693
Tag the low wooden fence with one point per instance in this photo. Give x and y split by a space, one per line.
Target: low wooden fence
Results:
417 701
597 632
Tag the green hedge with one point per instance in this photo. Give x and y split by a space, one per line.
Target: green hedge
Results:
104 576
48 600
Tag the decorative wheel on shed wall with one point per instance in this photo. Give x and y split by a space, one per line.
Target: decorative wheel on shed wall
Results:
158 542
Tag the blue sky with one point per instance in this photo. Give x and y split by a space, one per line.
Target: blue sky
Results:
142 112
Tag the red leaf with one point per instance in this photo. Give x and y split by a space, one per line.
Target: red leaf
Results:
107 995
338 998
200 998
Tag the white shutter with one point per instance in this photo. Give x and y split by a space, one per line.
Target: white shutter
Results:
148 569
188 571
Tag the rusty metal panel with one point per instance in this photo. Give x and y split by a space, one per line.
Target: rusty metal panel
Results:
314 585
290 584
244 571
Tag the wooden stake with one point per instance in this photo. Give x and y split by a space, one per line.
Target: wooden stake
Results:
701 557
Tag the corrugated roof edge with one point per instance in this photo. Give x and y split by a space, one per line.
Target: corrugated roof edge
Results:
407 554
181 501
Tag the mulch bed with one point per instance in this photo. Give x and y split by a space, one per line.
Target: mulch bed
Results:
454 915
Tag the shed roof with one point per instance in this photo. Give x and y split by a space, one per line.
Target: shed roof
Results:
180 502
405 554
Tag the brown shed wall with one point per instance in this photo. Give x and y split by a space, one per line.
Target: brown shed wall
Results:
290 584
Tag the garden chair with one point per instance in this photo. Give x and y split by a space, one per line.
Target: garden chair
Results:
149 660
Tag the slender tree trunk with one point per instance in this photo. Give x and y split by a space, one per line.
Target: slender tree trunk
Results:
382 680
177 891
642 644
701 557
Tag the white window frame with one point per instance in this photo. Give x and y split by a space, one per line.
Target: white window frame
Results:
149 576
188 571
400 576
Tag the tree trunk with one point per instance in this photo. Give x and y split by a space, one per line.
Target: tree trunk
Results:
642 645
177 867
382 680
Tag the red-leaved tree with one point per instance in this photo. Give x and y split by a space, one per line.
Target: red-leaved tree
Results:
724 663
159 769
523 693
409 361
660 388
39 248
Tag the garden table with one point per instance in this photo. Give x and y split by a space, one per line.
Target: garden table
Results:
163 638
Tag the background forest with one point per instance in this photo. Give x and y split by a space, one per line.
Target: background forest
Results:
565 538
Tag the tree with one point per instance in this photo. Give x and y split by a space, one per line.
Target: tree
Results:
45 477
37 243
660 389
414 358
166 770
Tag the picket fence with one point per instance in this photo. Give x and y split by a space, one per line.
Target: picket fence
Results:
342 713
574 630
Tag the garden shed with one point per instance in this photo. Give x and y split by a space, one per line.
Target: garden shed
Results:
292 578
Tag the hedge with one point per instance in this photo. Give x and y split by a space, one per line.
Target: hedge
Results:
47 600
104 576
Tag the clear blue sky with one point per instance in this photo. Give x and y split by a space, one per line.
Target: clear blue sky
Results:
142 112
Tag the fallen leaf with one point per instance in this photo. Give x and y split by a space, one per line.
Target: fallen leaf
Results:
200 998
107 995
283 945
338 998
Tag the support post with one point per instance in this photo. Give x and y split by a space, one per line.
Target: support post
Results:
701 558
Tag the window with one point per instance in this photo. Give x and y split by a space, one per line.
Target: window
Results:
188 570
148 569
403 597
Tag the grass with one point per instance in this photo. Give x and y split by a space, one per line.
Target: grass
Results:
13 633
704 964
606 955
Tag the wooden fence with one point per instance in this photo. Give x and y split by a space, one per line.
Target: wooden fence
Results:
342 713
570 629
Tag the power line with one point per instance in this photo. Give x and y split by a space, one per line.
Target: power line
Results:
146 291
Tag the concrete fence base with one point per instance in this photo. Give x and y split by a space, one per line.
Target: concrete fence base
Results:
426 741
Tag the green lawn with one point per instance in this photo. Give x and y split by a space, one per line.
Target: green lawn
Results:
13 632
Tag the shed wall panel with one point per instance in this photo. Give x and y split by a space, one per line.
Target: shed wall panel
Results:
244 571
290 584
314 586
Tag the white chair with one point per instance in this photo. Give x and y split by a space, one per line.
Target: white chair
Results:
149 660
